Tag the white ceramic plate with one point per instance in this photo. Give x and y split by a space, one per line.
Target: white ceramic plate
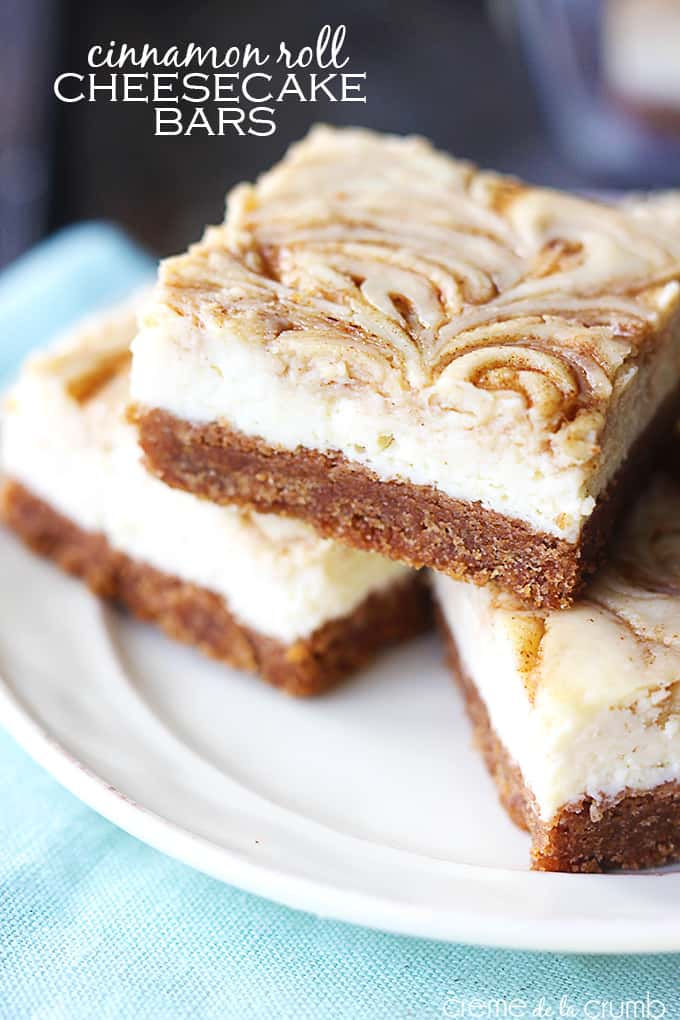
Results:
367 805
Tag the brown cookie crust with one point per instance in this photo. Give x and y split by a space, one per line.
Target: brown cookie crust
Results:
637 829
413 523
199 617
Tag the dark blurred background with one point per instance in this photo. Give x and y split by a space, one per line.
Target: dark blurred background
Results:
517 85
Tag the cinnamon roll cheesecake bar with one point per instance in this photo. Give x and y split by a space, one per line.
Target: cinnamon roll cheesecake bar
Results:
577 711
263 593
439 364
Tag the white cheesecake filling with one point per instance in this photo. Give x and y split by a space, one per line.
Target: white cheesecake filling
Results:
597 715
489 452
433 322
276 575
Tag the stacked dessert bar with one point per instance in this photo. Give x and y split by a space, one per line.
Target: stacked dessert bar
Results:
263 593
384 360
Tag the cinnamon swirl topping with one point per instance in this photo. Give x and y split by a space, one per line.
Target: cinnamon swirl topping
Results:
375 260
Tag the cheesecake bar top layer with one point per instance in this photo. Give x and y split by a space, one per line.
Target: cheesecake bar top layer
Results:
66 438
586 700
382 259
370 293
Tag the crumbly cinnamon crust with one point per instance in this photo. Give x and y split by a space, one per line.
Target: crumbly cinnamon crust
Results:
199 617
637 829
416 524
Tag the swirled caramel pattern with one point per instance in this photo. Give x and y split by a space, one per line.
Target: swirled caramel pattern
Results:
641 584
378 261
631 608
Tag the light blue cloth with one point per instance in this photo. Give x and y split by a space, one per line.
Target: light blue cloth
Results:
94 924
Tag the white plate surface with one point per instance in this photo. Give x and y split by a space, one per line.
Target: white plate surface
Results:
367 805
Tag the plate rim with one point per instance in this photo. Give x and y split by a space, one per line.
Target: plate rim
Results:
323 898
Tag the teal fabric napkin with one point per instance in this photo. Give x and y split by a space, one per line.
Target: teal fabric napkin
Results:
94 924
